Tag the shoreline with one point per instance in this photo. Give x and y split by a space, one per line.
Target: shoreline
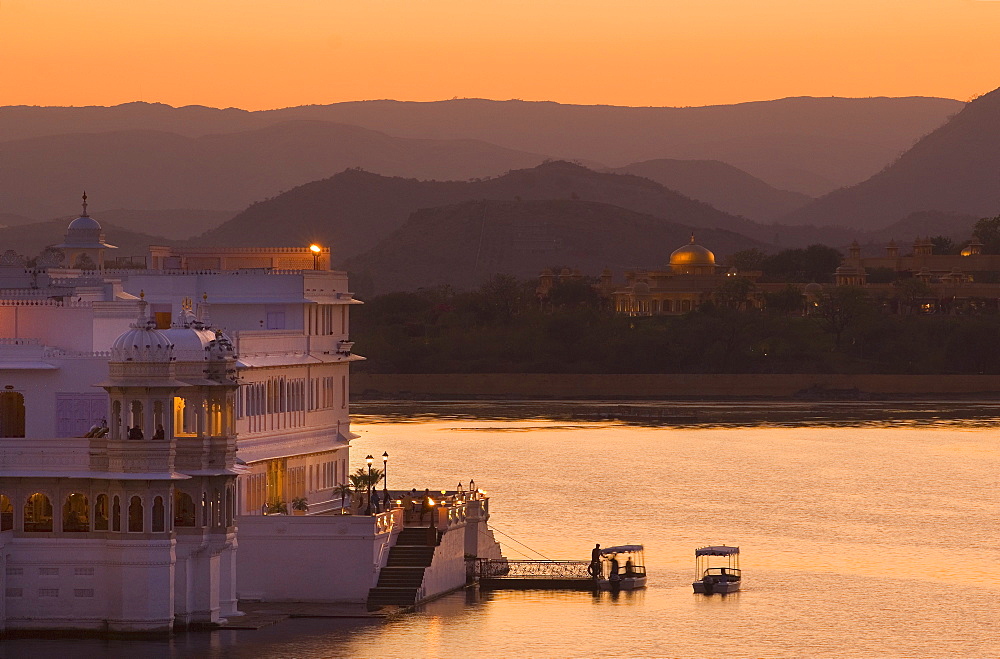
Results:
559 386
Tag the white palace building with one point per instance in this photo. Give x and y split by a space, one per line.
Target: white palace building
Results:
147 414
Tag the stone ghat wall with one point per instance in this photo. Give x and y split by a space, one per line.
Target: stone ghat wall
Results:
605 386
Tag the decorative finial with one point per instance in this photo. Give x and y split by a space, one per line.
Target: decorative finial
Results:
692 237
84 204
204 297
142 294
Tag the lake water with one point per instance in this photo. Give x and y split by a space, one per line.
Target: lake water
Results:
867 530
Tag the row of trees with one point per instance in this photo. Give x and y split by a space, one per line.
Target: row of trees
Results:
504 327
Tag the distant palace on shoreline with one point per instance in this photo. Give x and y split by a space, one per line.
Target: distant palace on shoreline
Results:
937 283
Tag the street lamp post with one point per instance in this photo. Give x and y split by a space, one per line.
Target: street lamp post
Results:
315 249
369 459
385 480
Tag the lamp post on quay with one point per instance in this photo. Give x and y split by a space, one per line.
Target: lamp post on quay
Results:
369 459
315 249
385 480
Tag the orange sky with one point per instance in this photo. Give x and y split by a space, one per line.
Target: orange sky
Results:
259 54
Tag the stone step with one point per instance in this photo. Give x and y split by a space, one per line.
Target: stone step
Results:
397 596
400 580
412 552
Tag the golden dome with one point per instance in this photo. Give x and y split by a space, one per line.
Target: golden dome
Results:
692 254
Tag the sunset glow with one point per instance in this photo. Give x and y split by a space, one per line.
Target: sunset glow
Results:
259 54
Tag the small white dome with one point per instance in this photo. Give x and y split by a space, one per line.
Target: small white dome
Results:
189 343
85 222
142 342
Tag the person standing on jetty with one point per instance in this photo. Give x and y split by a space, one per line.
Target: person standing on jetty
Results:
595 562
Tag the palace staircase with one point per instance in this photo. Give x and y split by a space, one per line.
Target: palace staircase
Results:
403 574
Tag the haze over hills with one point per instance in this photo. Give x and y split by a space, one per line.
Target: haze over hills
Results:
354 210
722 186
954 169
30 243
809 145
464 244
154 170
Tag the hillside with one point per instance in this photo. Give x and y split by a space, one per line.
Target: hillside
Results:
809 145
954 169
354 210
720 185
41 177
464 244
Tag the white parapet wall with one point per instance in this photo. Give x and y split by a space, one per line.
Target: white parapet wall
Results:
316 558
465 533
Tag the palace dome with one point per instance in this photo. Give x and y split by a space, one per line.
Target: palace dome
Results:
692 254
142 342
189 343
85 222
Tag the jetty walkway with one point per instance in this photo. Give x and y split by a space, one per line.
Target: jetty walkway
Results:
505 574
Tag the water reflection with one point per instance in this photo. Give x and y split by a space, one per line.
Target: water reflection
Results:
697 415
867 530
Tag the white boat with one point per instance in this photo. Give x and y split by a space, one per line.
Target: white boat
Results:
711 576
622 568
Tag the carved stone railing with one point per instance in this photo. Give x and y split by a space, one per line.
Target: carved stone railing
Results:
502 568
384 522
19 342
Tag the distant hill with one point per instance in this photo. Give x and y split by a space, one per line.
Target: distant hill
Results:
723 186
354 210
808 145
955 169
18 122
11 219
464 244
42 177
956 226
172 223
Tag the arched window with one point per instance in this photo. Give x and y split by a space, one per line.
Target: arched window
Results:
11 414
137 421
76 514
159 420
135 515
101 513
6 513
116 420
38 514
183 510
159 516
116 515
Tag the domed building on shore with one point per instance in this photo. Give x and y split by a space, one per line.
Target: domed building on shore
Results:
689 280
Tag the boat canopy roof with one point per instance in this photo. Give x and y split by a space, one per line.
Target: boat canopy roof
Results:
717 551
621 549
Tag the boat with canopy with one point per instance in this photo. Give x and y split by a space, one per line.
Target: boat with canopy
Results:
622 568
717 570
